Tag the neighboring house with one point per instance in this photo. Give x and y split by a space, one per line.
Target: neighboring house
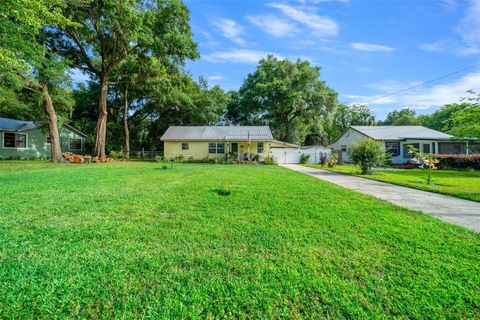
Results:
25 139
237 142
396 139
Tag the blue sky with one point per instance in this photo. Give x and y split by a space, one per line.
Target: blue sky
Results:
366 49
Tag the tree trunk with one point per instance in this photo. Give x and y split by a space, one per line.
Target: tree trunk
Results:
51 118
125 124
102 119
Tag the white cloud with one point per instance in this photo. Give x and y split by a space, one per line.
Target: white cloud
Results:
230 29
320 26
216 77
273 25
421 97
237 56
370 47
467 41
469 29
436 46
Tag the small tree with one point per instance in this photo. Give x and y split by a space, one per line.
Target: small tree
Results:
428 160
368 154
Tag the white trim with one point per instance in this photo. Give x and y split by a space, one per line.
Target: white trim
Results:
70 143
14 148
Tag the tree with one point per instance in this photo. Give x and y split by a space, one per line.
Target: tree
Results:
466 122
107 32
25 59
443 118
286 95
367 154
402 117
349 115
429 160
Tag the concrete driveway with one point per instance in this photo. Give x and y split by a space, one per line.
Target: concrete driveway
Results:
461 212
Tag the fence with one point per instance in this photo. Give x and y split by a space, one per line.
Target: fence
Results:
144 154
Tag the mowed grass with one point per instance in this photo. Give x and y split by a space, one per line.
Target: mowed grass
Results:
463 184
130 240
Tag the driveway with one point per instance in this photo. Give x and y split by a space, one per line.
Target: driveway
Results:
461 212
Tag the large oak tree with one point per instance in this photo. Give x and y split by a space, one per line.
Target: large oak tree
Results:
107 32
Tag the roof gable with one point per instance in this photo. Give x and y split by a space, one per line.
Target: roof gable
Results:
231 133
401 132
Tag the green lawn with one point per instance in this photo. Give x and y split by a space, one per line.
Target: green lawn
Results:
130 240
458 183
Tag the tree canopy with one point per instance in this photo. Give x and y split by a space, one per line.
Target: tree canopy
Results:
288 96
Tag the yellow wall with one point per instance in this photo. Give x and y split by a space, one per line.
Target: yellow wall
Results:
199 149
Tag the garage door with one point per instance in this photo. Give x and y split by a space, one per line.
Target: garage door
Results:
285 155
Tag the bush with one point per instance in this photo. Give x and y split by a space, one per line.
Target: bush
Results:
331 161
460 161
304 158
368 154
115 155
159 159
269 160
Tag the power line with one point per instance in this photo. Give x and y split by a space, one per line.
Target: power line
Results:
424 83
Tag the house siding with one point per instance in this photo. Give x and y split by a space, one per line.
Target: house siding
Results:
348 138
199 149
37 146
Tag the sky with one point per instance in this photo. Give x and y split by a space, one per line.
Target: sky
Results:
366 49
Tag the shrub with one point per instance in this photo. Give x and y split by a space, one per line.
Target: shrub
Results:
460 161
368 154
304 158
159 159
331 161
269 160
426 160
115 155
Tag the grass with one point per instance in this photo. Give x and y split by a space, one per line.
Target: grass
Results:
130 240
463 184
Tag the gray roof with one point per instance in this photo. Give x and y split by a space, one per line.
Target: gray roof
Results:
16 125
22 125
223 133
401 132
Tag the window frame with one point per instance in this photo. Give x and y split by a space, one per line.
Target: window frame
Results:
15 140
342 147
48 140
185 146
216 146
387 148
260 147
70 143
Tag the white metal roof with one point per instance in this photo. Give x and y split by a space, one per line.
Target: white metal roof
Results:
401 132
212 133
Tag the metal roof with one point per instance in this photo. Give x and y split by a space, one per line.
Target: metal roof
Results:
16 125
224 133
401 132
22 125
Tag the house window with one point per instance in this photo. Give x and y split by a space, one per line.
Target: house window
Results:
75 144
216 147
185 146
393 148
48 140
14 140
343 148
406 149
260 147
426 147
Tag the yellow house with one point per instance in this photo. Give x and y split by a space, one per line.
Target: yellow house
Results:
229 142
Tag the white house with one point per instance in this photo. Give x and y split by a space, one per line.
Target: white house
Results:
397 139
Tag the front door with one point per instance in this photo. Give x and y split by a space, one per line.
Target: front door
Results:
235 147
